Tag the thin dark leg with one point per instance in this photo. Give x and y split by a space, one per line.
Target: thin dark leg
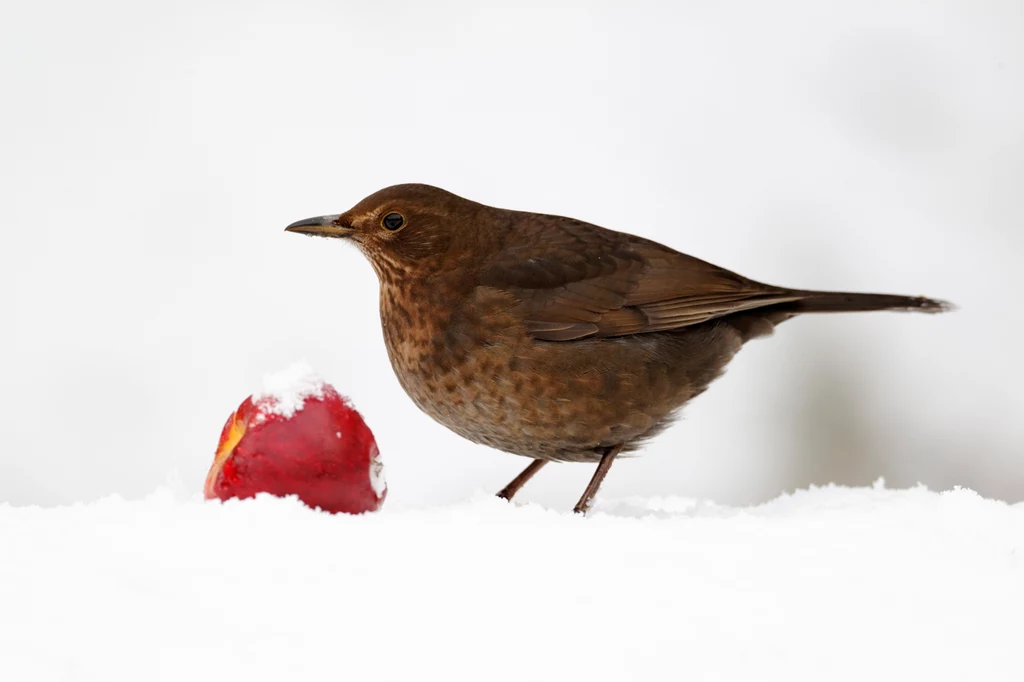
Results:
519 481
583 506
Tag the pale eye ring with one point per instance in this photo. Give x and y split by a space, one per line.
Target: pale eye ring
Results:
393 221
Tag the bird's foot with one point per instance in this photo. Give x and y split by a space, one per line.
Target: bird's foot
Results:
583 506
509 491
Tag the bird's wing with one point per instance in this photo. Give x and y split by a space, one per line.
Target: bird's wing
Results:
576 280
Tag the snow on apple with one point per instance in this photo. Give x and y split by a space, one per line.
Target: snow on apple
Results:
299 437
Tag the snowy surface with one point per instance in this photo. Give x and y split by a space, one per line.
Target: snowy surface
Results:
826 584
285 391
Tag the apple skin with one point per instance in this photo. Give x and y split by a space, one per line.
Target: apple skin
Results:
324 453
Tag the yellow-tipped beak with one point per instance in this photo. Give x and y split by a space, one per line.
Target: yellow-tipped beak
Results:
320 226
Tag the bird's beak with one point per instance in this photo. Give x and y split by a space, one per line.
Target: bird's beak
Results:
321 226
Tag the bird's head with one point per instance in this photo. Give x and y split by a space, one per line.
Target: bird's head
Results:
405 230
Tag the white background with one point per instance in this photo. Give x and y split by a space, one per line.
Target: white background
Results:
151 155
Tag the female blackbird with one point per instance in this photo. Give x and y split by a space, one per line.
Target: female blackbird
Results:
549 337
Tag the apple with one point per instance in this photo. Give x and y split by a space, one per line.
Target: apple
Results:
299 437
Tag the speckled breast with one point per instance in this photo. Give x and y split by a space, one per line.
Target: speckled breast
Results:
469 364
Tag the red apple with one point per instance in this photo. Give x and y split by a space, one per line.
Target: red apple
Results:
299 437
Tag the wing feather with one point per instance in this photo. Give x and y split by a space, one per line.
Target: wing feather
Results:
575 280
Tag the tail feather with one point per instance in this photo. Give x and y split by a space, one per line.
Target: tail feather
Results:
841 302
761 321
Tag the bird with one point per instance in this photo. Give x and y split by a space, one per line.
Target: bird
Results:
553 338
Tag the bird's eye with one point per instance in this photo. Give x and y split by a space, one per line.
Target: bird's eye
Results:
392 221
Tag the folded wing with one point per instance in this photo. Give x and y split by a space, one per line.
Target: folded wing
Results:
575 280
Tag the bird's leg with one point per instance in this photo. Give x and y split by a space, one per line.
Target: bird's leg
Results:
583 506
519 481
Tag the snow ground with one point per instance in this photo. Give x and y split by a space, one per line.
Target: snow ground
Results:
830 583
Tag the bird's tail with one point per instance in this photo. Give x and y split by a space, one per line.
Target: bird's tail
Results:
761 321
840 302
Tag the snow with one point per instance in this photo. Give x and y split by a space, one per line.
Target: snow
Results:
830 583
285 392
377 480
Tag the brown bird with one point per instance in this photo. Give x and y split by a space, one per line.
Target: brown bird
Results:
549 337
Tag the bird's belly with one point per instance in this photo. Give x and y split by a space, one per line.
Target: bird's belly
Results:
548 400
